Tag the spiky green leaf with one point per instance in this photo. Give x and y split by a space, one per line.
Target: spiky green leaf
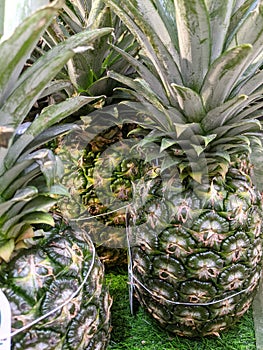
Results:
40 203
10 175
15 51
219 115
6 249
60 190
190 103
31 173
208 138
223 74
251 32
142 28
250 85
240 12
39 218
220 13
140 86
34 80
50 115
198 149
192 20
166 143
146 74
49 135
254 111
168 162
56 86
12 226
189 128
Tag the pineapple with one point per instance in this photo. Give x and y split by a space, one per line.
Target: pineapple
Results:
196 262
29 177
100 177
109 176
86 74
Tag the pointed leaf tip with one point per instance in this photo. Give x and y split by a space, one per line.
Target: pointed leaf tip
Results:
7 249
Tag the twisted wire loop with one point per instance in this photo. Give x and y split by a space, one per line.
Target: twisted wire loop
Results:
133 280
184 303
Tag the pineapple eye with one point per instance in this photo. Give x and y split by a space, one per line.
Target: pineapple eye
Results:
17 324
40 339
171 248
164 275
121 189
197 291
169 269
59 291
176 241
233 277
23 307
194 299
236 247
212 272
206 265
191 315
143 246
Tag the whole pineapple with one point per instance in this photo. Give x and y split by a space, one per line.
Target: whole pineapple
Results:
86 74
197 260
29 188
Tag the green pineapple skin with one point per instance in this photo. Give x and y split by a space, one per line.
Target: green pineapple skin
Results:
197 266
39 279
106 174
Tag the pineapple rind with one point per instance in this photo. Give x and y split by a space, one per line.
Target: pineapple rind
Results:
38 280
103 188
198 277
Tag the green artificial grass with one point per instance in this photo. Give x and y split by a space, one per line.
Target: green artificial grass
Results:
140 331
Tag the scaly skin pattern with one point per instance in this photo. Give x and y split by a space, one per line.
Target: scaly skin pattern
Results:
38 280
107 175
197 261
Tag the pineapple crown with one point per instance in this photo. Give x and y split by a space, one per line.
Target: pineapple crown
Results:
86 72
199 85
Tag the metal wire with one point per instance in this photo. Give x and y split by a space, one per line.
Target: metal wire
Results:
102 214
133 278
188 304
